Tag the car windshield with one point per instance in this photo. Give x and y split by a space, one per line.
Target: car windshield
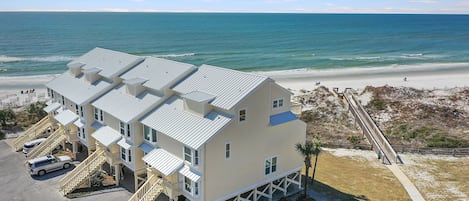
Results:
28 145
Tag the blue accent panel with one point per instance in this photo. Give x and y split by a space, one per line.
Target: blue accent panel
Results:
281 118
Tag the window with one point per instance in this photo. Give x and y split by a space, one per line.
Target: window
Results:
128 130
83 132
81 111
122 128
196 157
146 133
63 100
76 109
227 150
190 186
270 165
126 154
123 154
188 154
150 134
277 103
48 92
98 115
191 156
187 184
52 93
242 115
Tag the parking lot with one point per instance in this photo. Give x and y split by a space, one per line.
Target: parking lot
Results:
17 185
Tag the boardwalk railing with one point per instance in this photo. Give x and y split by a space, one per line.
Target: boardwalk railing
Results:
380 144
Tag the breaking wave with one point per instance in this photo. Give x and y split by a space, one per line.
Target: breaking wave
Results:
7 59
175 55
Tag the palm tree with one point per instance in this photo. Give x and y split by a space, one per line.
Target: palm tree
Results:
316 151
306 151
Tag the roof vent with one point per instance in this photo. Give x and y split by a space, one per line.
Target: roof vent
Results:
75 68
197 102
134 86
91 74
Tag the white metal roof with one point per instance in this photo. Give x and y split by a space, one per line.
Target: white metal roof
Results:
107 136
191 174
77 89
79 123
163 161
227 85
52 107
160 73
124 106
66 117
199 96
171 119
111 62
123 143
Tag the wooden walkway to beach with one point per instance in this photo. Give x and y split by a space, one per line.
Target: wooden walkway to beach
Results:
379 143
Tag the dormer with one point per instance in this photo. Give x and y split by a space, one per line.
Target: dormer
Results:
91 74
135 86
197 103
75 68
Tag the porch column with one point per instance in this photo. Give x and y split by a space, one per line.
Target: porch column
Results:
117 174
74 149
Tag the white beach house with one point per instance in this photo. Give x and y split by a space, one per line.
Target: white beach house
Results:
205 133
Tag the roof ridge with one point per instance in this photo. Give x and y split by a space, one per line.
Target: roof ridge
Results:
234 71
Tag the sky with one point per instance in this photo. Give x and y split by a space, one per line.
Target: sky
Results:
289 6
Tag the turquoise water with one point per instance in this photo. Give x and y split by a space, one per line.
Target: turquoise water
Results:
42 43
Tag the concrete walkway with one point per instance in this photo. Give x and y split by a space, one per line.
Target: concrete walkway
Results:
408 185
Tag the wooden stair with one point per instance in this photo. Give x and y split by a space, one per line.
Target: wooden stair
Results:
32 133
46 147
150 190
84 170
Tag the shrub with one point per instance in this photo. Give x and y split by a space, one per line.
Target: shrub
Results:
377 104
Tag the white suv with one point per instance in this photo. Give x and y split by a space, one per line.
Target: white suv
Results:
42 165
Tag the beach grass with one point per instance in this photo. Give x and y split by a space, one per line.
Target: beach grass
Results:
438 177
355 178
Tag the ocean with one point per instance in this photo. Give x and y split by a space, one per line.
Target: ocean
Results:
38 43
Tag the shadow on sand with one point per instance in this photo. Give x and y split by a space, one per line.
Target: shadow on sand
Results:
321 191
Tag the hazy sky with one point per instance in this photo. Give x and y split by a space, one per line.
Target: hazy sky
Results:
310 6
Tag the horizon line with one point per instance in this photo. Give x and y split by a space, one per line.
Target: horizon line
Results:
234 12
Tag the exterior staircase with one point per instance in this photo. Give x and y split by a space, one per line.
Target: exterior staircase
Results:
32 133
84 170
49 145
150 190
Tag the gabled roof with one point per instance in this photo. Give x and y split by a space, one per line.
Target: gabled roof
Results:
77 89
160 73
194 131
111 63
124 106
229 86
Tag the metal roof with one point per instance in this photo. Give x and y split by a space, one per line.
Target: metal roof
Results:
52 107
124 144
77 89
229 86
66 117
106 136
111 62
163 161
189 173
124 106
79 123
171 119
160 73
146 147
199 96
281 118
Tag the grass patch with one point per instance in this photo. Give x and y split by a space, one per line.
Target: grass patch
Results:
377 104
356 179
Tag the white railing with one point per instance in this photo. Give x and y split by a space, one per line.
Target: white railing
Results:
47 146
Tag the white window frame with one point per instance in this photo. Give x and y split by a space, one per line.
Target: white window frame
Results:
127 129
82 113
191 187
194 156
271 165
98 115
228 149
153 135
245 115
77 109
278 103
126 154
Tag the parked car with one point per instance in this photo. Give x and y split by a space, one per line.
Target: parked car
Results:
44 164
28 146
